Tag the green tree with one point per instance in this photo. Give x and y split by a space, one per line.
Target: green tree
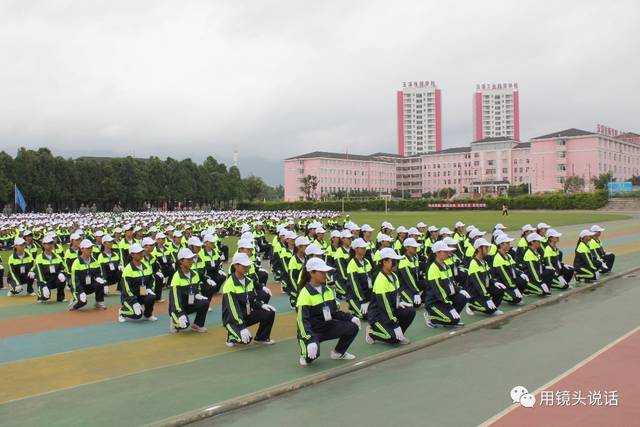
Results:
574 184
600 182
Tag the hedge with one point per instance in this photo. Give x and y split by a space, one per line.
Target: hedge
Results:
553 201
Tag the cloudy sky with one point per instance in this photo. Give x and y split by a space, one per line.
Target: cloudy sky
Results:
273 79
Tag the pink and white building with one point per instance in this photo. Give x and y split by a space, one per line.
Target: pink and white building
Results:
419 108
487 166
496 111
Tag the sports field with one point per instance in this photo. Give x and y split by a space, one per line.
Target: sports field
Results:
84 368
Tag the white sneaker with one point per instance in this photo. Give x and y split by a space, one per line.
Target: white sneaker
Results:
367 336
337 356
33 294
229 343
100 306
303 361
267 342
498 313
405 341
150 318
468 310
172 327
121 318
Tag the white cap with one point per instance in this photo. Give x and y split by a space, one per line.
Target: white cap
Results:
366 227
346 234
410 242
320 230
499 226
247 235
498 232
245 244
153 229
358 243
86 243
389 253
177 233
302 241
413 231
459 224
242 259
543 225
134 249
107 238
421 224
74 236
170 228
99 233
481 242
476 233
553 233
335 233
441 246
47 239
388 225
384 238
585 233
185 253
148 241
402 229
117 230
289 235
207 238
450 241
445 230
317 264
432 228
160 235
194 241
313 250
470 228
18 241
533 236
596 228
503 238
527 227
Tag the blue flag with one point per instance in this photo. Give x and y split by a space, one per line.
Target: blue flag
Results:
20 202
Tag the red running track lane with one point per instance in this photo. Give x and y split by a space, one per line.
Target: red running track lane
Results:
614 368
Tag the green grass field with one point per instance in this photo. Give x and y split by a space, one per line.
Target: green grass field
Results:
485 220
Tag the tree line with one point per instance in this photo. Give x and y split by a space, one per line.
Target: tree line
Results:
60 184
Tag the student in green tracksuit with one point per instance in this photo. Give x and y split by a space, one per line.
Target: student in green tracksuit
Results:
390 314
20 269
359 280
86 278
553 261
443 300
294 269
586 265
49 269
241 306
185 296
411 278
319 318
606 259
486 293
505 270
137 296
540 278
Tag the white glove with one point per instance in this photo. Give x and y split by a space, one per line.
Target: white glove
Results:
222 273
200 297
31 275
545 287
398 333
267 290
150 291
268 307
525 277
245 336
517 293
364 308
454 314
105 288
500 286
210 282
463 269
46 292
159 275
137 309
182 320
61 277
548 267
597 275
562 281
403 304
120 268
356 321
1 267
417 300
222 257
100 281
82 297
465 294
491 305
604 265
312 350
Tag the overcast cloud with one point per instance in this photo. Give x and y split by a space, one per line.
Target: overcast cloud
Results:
273 79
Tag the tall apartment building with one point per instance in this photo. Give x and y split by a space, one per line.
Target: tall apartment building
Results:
419 106
496 111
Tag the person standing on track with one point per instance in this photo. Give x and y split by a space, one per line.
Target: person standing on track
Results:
318 316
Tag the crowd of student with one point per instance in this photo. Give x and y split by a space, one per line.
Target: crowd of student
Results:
383 278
